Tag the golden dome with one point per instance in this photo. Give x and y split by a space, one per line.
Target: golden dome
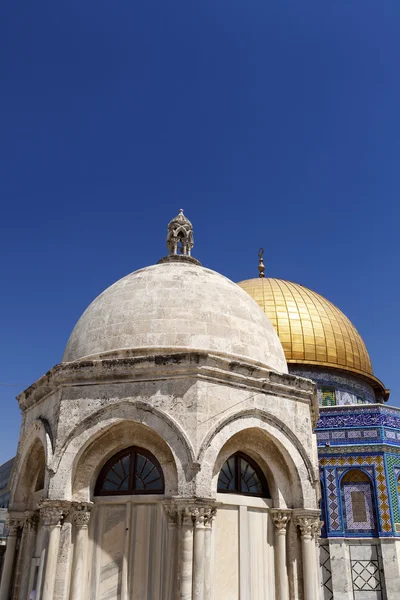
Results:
311 329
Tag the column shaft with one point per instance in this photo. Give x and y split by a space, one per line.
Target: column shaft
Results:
9 560
307 545
81 516
78 570
198 559
28 543
186 559
52 513
208 574
310 525
51 562
281 571
281 519
193 546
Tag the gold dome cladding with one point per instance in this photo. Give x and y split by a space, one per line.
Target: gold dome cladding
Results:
311 329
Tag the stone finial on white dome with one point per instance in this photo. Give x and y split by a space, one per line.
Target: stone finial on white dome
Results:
180 236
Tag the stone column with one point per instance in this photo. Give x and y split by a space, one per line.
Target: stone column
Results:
194 520
28 543
185 571
307 523
53 513
80 518
281 518
316 531
172 552
199 519
9 558
208 571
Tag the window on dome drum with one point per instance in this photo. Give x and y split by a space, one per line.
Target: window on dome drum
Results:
241 475
358 503
328 396
132 471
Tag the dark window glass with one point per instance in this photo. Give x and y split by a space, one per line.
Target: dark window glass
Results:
241 475
132 471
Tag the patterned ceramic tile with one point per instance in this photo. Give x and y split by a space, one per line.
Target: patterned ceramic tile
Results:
358 507
371 433
332 500
359 417
355 433
393 470
380 479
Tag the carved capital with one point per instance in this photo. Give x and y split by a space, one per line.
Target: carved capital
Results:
316 529
309 526
172 514
13 525
81 514
210 516
203 515
280 518
53 512
31 522
190 514
185 515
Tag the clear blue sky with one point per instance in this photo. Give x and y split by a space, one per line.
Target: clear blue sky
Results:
272 124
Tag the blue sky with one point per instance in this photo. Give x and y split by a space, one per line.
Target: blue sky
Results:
272 124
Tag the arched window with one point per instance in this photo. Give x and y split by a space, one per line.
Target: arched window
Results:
132 471
241 475
358 503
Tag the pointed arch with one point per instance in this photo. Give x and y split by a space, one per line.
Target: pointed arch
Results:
30 470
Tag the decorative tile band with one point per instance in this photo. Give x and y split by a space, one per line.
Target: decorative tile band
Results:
366 417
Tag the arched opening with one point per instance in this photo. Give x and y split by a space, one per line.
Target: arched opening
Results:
128 524
103 447
357 493
132 471
240 474
250 478
31 478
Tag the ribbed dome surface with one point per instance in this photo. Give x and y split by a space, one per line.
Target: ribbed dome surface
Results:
311 329
176 306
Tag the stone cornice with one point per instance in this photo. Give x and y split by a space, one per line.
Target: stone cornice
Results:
199 365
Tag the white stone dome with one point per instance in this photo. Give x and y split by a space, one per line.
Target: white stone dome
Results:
173 307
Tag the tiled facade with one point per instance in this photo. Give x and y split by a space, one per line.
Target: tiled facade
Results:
366 438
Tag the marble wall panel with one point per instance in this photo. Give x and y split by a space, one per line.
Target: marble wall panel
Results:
227 553
261 555
112 546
